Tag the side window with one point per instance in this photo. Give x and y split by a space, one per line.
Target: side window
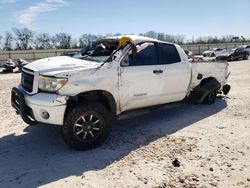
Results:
168 54
248 47
146 55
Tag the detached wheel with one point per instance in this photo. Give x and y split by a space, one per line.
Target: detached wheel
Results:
87 126
211 97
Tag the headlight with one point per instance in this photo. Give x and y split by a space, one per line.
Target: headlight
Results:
50 84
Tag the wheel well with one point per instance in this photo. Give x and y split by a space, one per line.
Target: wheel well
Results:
103 97
206 80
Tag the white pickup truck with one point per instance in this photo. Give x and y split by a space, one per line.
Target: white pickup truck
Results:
85 92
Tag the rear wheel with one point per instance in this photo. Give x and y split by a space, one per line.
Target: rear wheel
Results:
87 126
211 97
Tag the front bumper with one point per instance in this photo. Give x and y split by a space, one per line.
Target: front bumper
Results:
32 107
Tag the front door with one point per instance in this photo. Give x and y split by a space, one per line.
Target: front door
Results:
140 81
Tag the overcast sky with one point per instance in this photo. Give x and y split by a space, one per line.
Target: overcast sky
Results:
178 17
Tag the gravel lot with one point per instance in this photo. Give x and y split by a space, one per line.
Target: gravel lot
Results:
212 144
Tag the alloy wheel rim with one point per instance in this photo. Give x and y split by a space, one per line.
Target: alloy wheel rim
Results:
88 127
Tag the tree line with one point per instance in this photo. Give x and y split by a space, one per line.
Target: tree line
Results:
26 39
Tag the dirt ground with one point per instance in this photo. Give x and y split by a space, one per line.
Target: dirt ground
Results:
212 144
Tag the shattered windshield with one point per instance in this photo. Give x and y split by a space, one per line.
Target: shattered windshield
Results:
98 51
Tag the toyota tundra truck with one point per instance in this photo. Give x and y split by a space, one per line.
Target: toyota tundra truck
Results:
85 93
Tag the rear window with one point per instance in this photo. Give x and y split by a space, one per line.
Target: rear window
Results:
168 54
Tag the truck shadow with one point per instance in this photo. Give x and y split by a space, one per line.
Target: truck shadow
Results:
40 156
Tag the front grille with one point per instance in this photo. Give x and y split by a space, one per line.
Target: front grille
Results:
27 80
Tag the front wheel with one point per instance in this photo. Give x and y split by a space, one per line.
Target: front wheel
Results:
87 126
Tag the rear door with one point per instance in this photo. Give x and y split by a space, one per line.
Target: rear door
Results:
176 72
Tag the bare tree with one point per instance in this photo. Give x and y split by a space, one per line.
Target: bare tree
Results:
8 39
161 36
87 39
200 40
213 39
179 39
74 44
1 42
171 38
84 41
151 34
43 41
227 38
63 40
24 38
53 42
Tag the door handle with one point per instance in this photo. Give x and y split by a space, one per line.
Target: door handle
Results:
158 71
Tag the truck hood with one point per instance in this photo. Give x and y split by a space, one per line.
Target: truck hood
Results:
61 65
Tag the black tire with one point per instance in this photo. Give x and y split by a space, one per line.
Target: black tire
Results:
231 58
7 70
211 97
246 56
87 126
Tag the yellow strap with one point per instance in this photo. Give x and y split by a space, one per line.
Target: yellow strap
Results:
124 40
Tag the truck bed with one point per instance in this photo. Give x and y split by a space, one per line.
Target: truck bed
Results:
217 70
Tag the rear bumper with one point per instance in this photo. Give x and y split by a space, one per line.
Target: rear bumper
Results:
41 107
